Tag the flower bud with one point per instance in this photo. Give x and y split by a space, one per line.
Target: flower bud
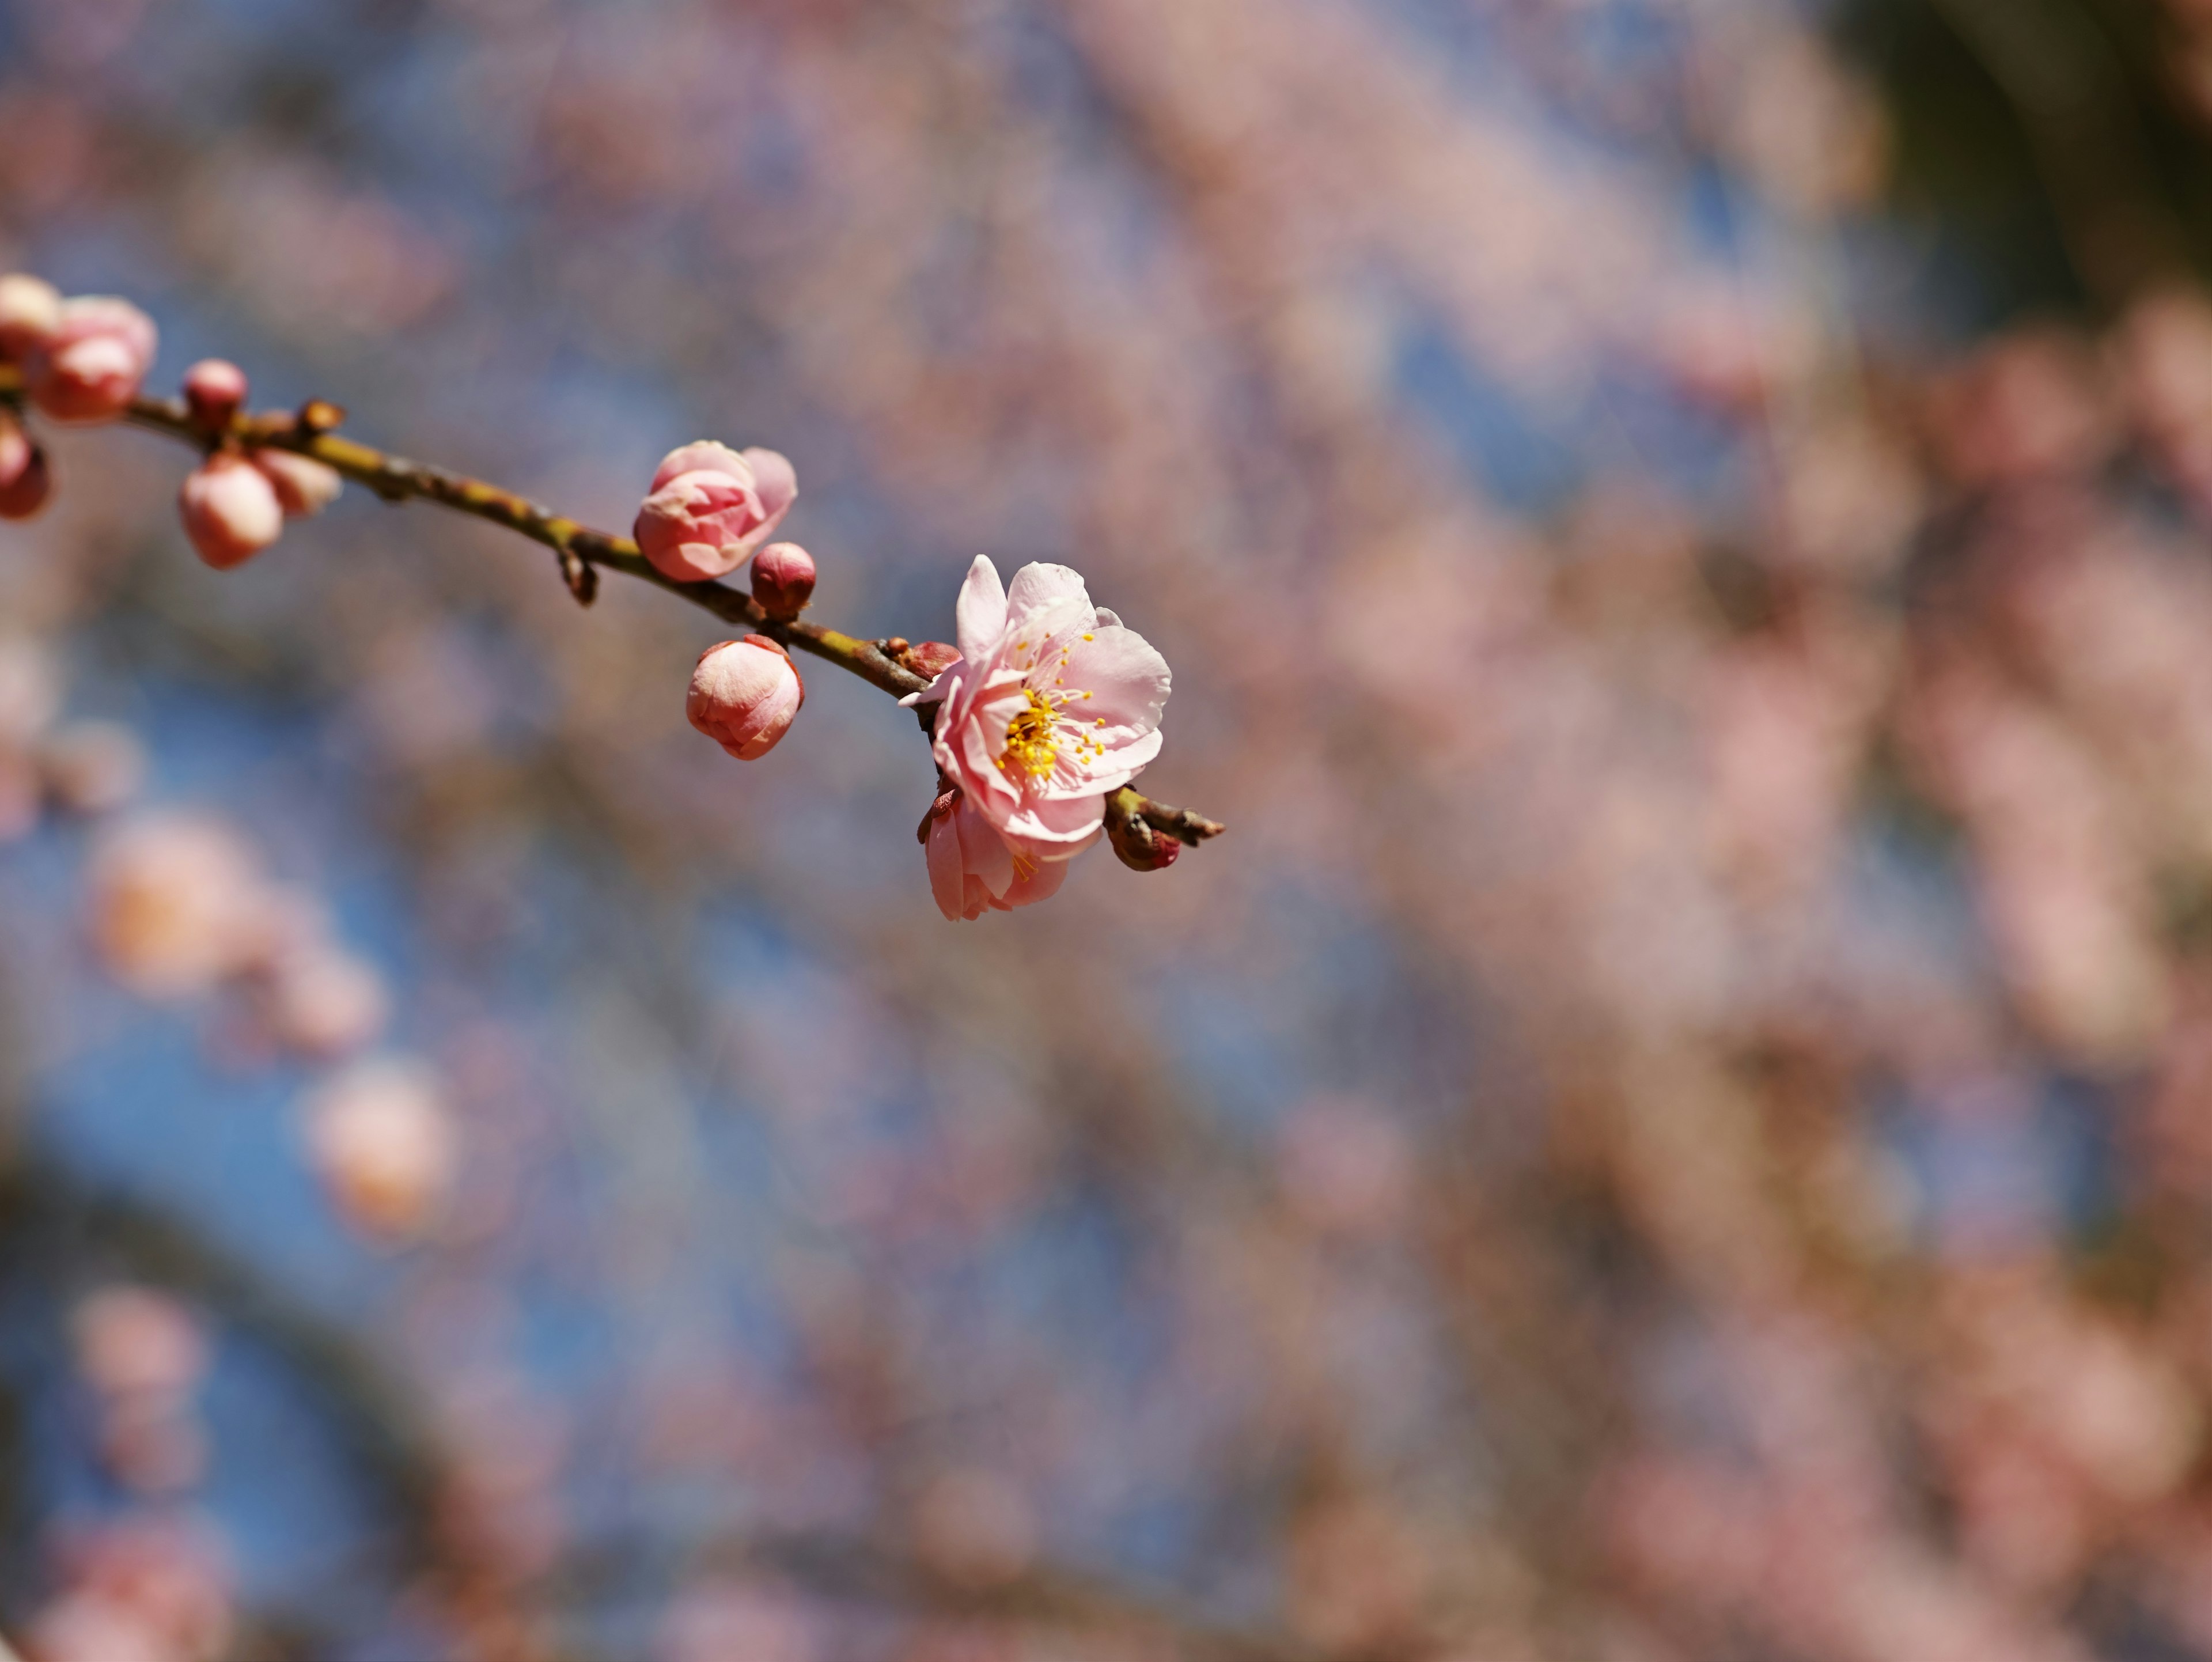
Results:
231 511
932 657
87 367
215 390
30 310
1141 848
711 507
783 580
304 486
25 482
744 695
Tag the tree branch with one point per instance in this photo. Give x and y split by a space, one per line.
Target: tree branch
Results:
583 552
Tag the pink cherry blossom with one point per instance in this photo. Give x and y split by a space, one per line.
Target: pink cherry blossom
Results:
710 508
89 365
230 509
744 696
1052 705
973 869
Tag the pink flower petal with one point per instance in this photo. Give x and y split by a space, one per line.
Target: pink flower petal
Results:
981 614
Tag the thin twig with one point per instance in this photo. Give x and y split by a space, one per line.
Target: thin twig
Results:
580 550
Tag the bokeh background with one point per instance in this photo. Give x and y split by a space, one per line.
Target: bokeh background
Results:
1676 1125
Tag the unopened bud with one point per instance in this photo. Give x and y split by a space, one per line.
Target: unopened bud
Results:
744 696
711 507
932 657
230 509
25 482
303 485
30 309
1140 847
88 366
215 391
783 580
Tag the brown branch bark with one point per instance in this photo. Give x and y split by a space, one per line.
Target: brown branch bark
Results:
583 552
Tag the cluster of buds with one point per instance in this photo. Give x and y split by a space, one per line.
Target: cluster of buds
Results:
83 359
80 360
708 510
235 503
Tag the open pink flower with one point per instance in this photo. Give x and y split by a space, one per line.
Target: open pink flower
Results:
973 869
89 365
1052 705
710 508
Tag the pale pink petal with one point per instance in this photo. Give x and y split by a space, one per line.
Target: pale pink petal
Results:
1093 776
1042 883
1040 587
1127 679
983 852
776 481
701 456
948 877
1054 828
981 614
947 683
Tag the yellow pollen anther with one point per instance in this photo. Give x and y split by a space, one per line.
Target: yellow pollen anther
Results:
1029 741
1091 637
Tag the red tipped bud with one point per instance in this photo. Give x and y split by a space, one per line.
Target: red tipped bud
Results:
25 483
783 580
87 367
303 485
1140 848
932 657
215 391
744 696
230 509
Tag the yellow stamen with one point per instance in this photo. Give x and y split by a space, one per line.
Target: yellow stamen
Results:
1029 740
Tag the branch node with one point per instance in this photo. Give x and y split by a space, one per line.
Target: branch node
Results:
317 417
583 579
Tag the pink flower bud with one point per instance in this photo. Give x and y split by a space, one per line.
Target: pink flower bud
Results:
231 511
783 580
25 483
711 507
30 310
744 695
88 366
215 389
304 486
